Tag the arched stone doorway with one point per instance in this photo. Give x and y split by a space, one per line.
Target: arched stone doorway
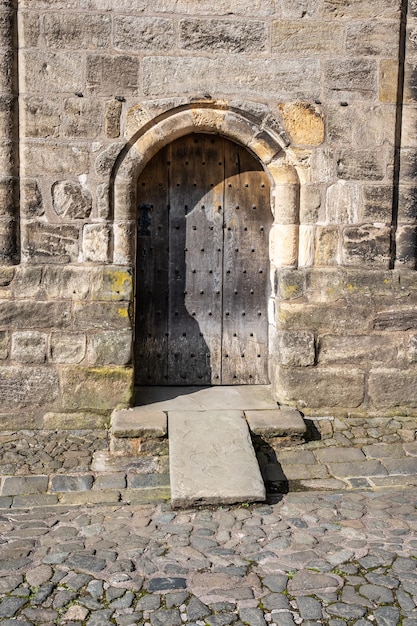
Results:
202 265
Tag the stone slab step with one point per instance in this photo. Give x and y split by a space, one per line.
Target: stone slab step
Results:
212 460
141 421
279 422
217 398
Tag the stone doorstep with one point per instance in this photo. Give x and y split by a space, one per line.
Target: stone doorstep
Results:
147 423
140 421
280 422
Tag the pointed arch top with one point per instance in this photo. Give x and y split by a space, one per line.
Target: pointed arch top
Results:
266 141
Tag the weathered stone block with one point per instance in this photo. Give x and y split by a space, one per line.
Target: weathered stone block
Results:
399 318
82 118
112 118
354 317
342 203
295 9
300 38
407 204
321 387
74 421
76 30
291 284
27 314
65 283
223 35
67 347
101 388
112 283
324 285
360 165
296 349
406 249
350 78
54 243
408 159
310 203
363 282
303 122
376 38
27 282
377 204
292 78
367 245
54 159
373 125
71 200
31 199
101 315
393 388
327 247
40 116
339 122
338 350
256 8
52 72
110 348
23 386
105 72
29 29
29 346
136 32
96 243
357 9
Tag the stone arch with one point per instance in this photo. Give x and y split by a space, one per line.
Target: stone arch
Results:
267 145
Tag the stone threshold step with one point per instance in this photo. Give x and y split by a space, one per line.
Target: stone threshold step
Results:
149 423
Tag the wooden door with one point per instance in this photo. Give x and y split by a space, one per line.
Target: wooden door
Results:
202 266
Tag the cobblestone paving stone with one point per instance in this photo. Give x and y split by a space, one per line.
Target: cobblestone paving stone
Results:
311 558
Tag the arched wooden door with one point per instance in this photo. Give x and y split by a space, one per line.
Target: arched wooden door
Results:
202 267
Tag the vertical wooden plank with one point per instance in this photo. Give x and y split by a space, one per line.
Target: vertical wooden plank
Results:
246 269
151 298
195 274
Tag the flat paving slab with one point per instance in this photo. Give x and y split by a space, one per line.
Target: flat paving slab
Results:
212 460
236 397
141 421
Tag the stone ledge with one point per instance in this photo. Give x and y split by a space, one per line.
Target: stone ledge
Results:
139 422
284 421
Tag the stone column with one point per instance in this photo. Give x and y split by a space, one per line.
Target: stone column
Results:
9 194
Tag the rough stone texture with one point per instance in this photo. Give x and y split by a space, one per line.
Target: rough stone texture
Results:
70 200
101 388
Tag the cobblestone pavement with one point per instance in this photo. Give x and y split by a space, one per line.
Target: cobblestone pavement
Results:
44 468
312 558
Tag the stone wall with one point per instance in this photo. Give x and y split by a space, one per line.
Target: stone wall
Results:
321 91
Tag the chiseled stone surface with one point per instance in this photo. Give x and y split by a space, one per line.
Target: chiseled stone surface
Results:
212 459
